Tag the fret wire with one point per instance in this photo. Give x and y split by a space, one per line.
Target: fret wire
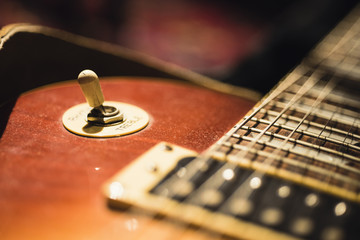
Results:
328 88
342 60
344 37
337 163
315 158
333 97
349 65
355 115
332 176
327 106
350 50
246 119
301 108
270 155
331 65
300 142
327 123
310 123
343 143
299 164
321 115
349 62
297 74
305 133
266 101
267 162
312 80
348 114
347 48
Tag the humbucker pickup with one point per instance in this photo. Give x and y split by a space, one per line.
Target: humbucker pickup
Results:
229 199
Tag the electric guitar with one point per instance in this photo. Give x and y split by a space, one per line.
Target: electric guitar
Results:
289 169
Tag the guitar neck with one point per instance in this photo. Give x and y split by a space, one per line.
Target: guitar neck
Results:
289 169
307 129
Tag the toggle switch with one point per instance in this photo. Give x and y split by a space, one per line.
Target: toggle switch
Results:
100 118
90 86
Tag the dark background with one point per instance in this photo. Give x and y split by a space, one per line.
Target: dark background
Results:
248 43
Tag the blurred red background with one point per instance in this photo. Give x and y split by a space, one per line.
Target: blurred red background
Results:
205 36
249 43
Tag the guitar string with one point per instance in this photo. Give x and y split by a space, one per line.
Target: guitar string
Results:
346 47
331 175
306 116
275 153
330 89
243 189
256 111
317 142
201 159
343 36
317 102
350 49
245 183
356 119
204 205
285 141
176 192
344 141
306 86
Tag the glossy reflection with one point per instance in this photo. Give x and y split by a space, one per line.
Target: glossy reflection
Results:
228 174
116 190
132 224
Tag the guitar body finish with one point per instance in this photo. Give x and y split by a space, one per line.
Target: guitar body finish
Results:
50 179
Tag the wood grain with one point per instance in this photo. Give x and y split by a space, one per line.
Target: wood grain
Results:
50 179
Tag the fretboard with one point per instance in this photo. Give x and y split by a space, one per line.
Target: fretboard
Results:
308 129
293 163
289 169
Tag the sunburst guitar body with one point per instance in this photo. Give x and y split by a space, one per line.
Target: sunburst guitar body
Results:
50 178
